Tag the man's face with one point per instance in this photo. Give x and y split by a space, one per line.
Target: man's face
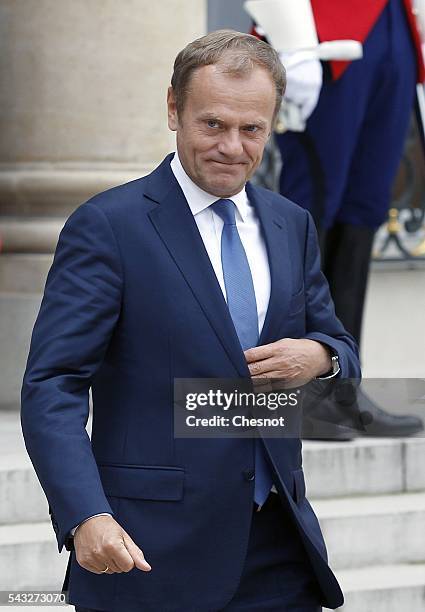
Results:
223 128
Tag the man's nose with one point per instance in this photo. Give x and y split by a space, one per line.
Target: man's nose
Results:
231 144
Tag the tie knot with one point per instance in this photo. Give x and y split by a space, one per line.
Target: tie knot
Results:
225 209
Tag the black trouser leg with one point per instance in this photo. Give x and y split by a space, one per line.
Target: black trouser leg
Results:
346 253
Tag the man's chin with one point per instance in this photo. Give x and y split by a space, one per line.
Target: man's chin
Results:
222 187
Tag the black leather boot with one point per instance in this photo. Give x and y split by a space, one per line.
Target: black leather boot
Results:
346 253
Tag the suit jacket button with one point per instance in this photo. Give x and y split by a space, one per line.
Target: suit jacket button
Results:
249 475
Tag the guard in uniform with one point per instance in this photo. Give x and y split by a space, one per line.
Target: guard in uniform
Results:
342 167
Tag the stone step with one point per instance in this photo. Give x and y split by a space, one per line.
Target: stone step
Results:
22 499
373 530
364 466
29 557
395 588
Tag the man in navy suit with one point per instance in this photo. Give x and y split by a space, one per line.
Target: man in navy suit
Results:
190 272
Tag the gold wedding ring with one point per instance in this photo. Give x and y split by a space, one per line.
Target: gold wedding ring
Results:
105 570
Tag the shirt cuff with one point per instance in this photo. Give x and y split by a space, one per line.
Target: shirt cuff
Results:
74 529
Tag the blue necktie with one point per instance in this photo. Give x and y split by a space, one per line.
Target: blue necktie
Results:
243 310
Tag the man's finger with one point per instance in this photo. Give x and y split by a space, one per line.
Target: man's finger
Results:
97 566
265 378
258 353
136 554
120 556
101 570
265 367
113 565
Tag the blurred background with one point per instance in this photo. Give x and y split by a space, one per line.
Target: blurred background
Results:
82 108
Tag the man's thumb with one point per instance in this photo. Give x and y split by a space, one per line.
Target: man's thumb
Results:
136 554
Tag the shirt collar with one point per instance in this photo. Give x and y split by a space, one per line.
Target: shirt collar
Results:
197 198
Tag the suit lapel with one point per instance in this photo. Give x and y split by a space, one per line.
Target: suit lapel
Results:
275 234
174 222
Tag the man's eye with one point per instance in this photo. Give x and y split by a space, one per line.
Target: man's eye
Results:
252 128
212 123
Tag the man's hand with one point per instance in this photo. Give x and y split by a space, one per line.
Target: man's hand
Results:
294 361
101 542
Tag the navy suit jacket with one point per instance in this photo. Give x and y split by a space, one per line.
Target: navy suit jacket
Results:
132 302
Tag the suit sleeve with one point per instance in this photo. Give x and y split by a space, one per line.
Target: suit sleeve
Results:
78 313
321 321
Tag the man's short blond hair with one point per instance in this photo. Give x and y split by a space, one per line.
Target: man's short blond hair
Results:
236 53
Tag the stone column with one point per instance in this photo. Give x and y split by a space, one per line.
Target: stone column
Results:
83 94
82 108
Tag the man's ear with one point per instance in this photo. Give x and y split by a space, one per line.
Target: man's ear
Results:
172 110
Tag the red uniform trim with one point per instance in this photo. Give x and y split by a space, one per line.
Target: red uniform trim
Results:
337 19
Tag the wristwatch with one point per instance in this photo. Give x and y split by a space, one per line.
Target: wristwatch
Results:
335 369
